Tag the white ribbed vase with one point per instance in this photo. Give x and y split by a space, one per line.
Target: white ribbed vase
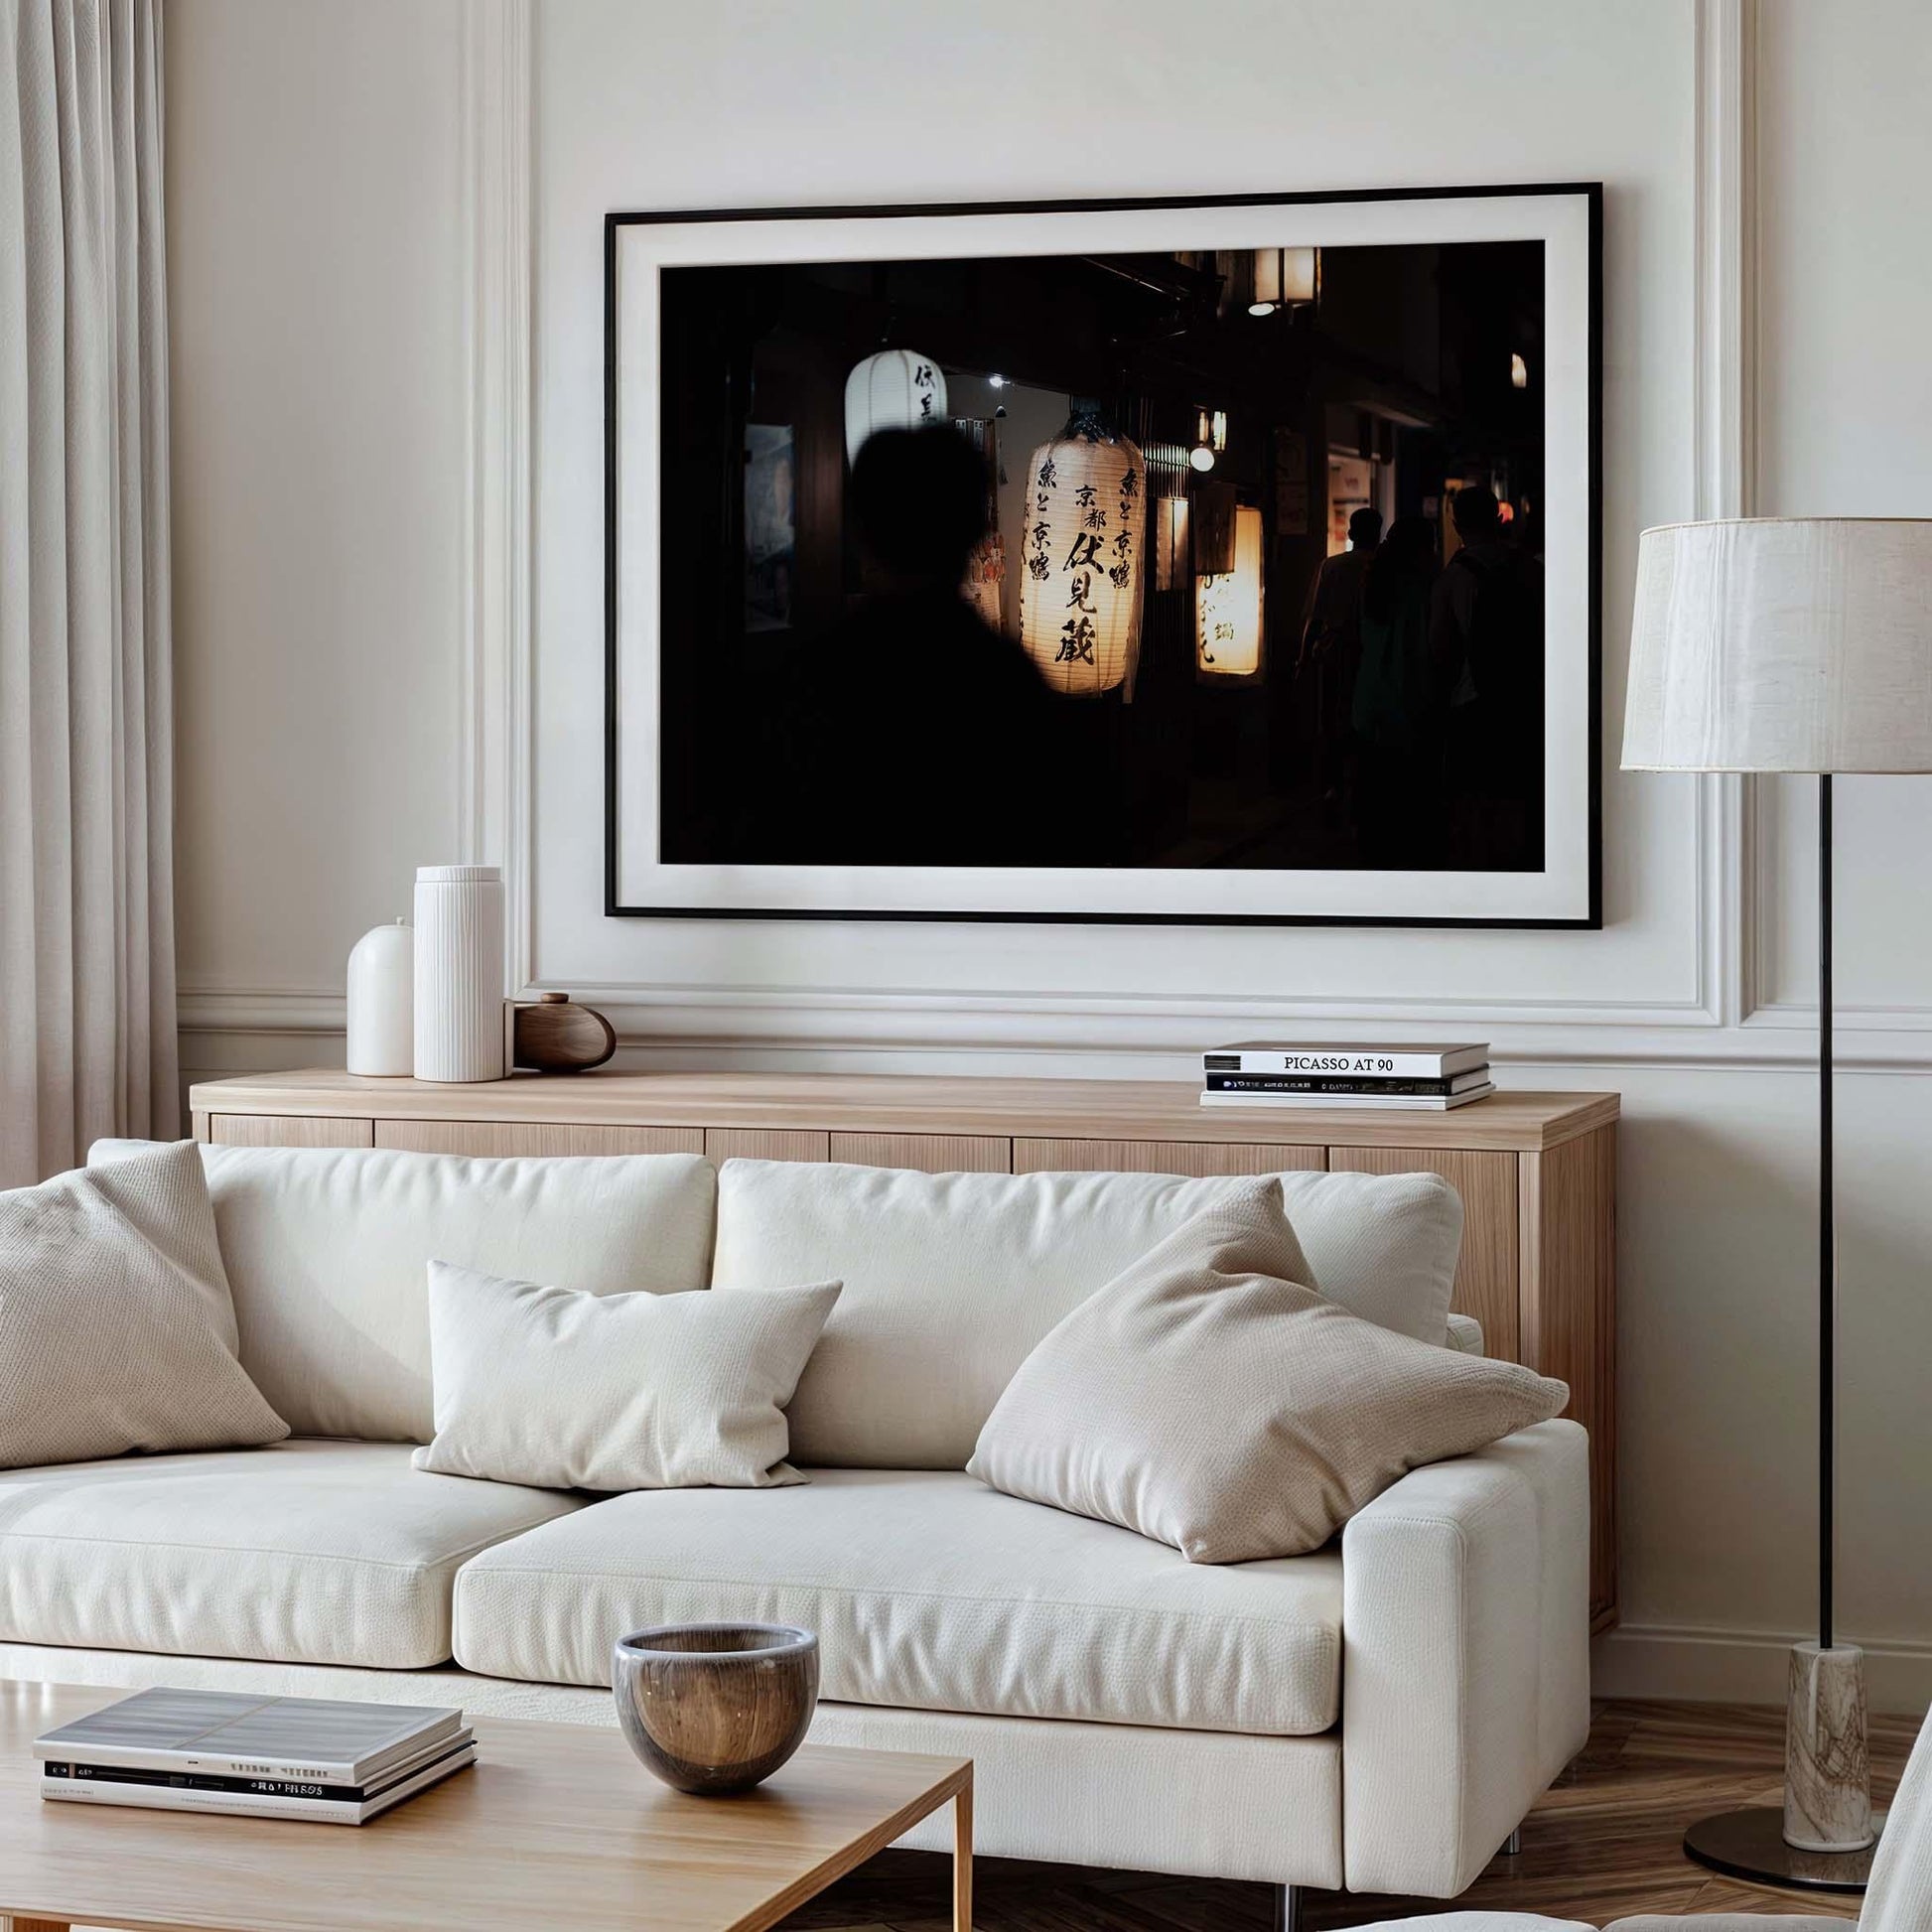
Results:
459 972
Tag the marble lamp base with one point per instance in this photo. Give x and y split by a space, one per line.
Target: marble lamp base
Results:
1827 1767
1822 1839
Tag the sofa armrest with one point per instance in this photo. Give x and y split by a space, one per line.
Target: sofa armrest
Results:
1465 1657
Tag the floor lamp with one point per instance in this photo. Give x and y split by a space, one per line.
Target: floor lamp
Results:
1793 645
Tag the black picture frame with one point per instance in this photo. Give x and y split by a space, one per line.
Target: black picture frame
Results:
1591 192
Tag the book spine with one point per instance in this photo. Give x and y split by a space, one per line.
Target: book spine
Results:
129 1757
205 1765
1318 1102
1302 1084
120 1777
227 1803
1315 1062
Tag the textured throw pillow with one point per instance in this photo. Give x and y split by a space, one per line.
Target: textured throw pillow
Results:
116 1328
1206 1402
561 1389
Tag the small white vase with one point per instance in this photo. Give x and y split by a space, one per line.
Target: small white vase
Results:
382 1001
459 1020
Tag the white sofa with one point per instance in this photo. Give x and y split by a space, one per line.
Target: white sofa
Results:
1378 1715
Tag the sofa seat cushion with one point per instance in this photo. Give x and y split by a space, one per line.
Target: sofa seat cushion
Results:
927 1591
309 1551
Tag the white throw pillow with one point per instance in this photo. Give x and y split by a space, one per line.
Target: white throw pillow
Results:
560 1389
1206 1402
116 1327
950 1278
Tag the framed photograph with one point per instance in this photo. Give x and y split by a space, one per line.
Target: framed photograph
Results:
1224 561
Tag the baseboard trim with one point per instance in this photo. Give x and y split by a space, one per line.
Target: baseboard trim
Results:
1693 1664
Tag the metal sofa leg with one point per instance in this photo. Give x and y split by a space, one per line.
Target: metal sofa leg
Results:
1513 1843
1288 1909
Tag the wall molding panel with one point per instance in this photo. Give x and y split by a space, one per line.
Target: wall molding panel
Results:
494 773
670 1017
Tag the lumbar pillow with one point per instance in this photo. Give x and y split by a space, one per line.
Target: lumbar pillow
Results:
561 1389
1206 1401
116 1328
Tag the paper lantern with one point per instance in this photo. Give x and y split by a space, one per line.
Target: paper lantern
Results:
1081 595
899 388
1229 606
1285 278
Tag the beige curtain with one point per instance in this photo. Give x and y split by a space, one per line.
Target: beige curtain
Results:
86 878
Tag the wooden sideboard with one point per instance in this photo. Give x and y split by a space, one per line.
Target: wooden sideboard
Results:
1537 1171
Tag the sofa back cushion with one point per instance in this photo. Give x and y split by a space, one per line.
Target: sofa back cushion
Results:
951 1279
327 1253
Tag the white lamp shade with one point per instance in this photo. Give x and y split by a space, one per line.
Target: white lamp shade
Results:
1782 645
1080 595
1227 640
899 388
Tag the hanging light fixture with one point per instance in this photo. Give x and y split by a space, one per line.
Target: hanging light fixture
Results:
1285 278
1212 435
1082 591
898 388
1267 282
1228 608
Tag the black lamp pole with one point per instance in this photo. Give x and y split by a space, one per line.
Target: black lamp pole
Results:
1750 1843
1827 1258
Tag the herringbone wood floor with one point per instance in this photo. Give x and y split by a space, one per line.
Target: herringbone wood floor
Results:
1603 1843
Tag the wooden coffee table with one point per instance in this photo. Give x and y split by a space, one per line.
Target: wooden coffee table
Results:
556 1824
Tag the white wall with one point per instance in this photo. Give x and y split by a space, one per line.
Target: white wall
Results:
640 107
316 317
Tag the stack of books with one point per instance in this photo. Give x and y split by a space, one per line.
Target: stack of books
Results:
265 1757
1423 1079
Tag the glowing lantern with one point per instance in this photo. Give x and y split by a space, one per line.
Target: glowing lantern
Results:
1080 597
1228 640
1285 278
899 388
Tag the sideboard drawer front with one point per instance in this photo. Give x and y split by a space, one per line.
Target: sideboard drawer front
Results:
766 1143
927 1153
1191 1157
1487 1278
513 1137
289 1130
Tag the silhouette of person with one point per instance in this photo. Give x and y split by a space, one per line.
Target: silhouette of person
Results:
915 735
1332 642
1485 639
1397 713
